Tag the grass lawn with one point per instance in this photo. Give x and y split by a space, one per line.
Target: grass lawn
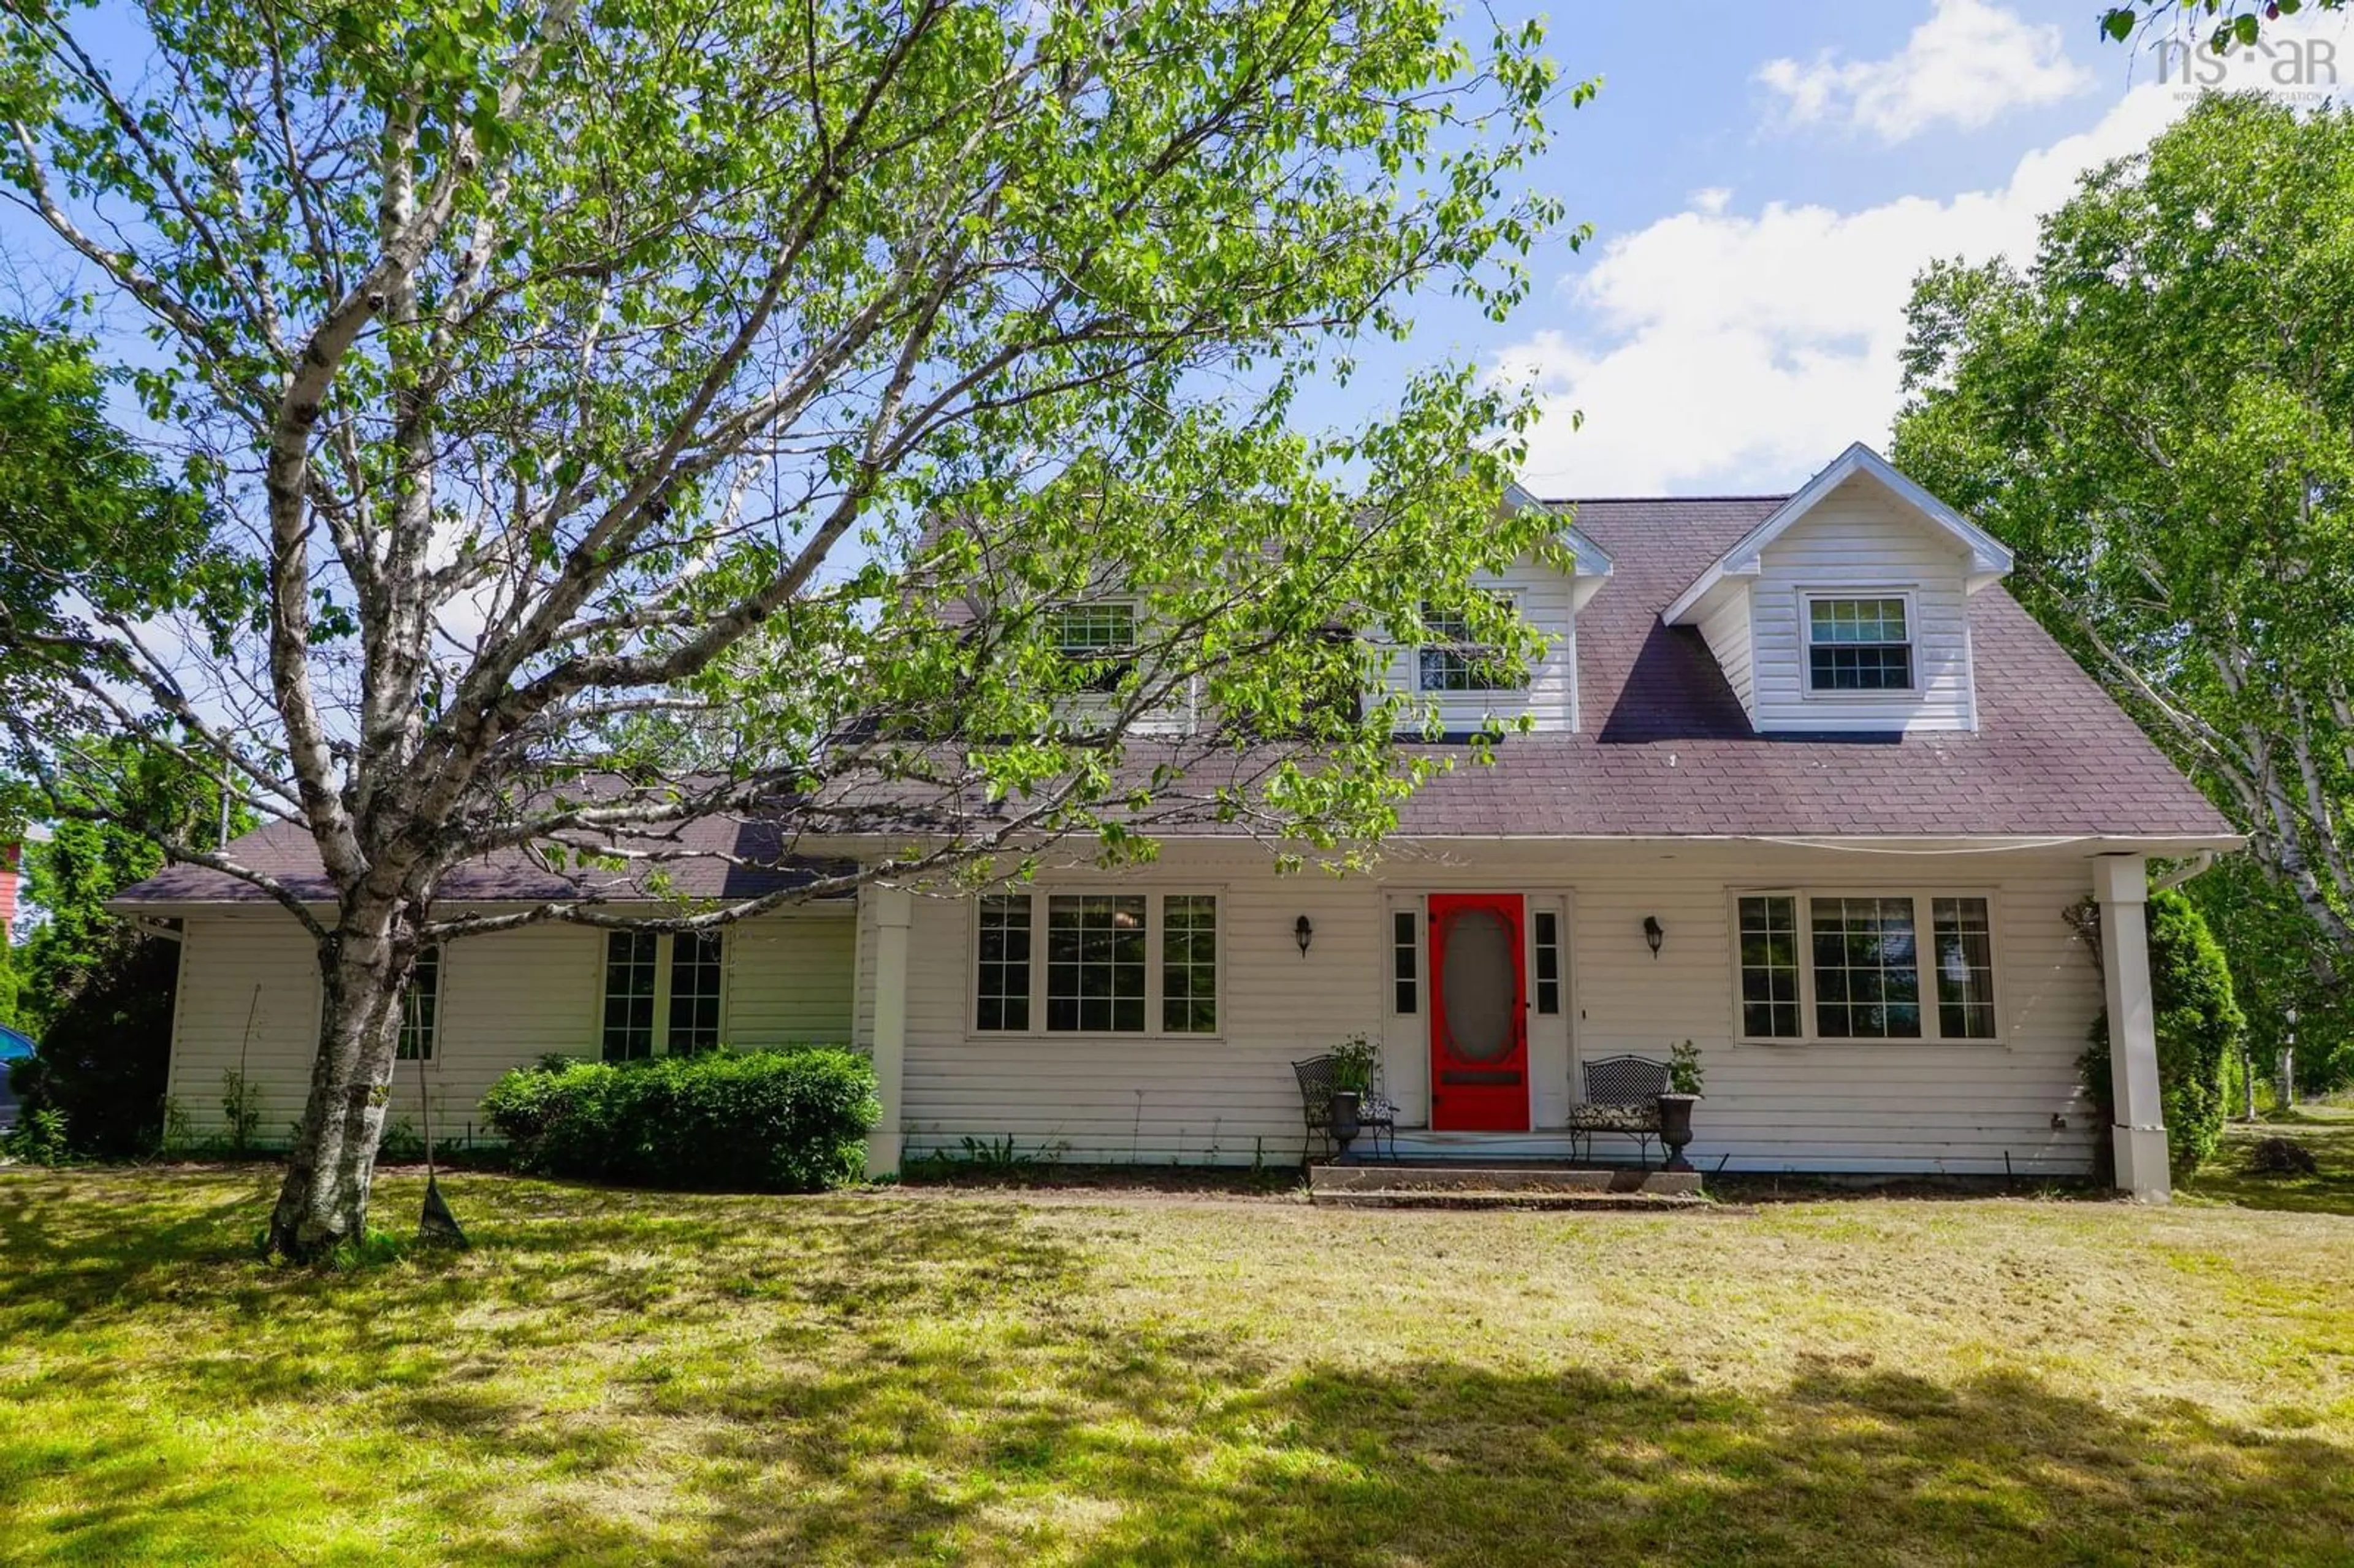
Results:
946 1376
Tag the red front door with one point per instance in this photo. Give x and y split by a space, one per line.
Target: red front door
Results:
1478 1013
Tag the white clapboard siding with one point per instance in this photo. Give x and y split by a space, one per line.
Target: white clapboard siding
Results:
506 1000
1550 700
1726 628
1859 539
1885 1107
247 1002
790 979
1225 1099
248 984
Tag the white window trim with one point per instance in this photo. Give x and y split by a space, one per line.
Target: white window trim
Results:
1412 906
1808 691
1510 599
1182 714
432 1041
1155 923
1923 925
665 943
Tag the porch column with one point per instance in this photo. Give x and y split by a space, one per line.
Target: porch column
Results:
895 910
2121 885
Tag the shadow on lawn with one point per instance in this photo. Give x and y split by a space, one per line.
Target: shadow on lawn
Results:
2327 1132
1135 1462
628 1378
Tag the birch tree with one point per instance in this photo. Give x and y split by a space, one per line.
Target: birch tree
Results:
647 412
2157 415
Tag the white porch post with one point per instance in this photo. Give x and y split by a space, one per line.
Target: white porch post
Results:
2121 884
894 911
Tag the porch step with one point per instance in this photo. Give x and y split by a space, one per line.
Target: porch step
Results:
1501 1187
1376 1198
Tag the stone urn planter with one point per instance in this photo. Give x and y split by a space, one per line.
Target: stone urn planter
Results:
1341 1117
1675 1127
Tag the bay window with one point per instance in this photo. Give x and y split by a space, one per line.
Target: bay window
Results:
1841 967
1095 963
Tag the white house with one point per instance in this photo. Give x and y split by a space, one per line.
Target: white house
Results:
1806 787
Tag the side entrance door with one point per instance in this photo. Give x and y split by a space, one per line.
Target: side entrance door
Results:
1478 1013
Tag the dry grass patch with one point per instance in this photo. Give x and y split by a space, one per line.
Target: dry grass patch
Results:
882 1378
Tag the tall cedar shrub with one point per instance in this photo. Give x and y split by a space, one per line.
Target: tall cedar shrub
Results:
105 1051
2199 1025
769 1122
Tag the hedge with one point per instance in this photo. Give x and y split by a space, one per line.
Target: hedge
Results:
770 1121
2199 1028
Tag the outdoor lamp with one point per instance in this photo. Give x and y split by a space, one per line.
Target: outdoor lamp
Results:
1654 933
1303 931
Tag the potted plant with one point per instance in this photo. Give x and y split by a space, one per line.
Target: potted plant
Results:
1676 1104
1353 1083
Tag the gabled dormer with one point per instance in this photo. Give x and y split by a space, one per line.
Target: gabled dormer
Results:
1846 610
1449 679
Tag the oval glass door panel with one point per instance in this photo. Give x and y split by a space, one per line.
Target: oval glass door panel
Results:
1478 983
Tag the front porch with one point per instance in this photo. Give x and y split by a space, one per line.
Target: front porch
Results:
1486 1012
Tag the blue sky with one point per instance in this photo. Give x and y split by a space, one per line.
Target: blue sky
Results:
1764 181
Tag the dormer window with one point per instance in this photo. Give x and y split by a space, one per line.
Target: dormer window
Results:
1100 639
1453 662
1858 644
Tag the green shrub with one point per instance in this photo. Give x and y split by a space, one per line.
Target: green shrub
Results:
38 1139
2199 1026
771 1121
106 1048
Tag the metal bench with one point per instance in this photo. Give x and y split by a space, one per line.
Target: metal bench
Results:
1622 1098
1375 1115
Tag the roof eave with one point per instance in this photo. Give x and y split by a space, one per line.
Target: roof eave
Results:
1593 564
1989 561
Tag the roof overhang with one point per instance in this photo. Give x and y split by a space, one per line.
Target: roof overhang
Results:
1989 560
1591 564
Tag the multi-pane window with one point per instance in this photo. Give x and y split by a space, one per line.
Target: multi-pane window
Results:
1545 936
632 975
694 971
1867 968
1770 967
662 993
1189 964
420 1008
1850 967
1453 662
1097 963
1858 645
1098 639
1965 964
1406 962
1002 987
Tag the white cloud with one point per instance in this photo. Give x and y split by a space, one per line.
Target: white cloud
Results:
1719 349
1967 64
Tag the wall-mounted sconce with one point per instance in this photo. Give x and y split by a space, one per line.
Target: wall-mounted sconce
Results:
1654 933
1303 931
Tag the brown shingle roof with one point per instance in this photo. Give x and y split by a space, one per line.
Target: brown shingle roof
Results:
285 852
1667 751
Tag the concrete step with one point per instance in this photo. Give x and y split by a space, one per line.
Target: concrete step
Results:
1379 1198
1455 1186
